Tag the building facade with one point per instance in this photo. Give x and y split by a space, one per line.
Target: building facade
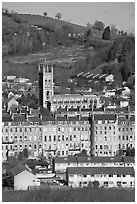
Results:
66 136
111 133
110 177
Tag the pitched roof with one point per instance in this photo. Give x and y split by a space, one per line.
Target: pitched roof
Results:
68 159
34 119
88 159
17 169
129 159
104 117
6 117
19 118
48 118
101 170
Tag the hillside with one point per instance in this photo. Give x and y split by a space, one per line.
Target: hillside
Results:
29 39
28 20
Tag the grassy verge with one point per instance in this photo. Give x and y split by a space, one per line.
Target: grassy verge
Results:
70 195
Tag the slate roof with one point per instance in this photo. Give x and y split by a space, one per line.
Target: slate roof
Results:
34 119
87 159
104 117
129 159
19 118
68 159
6 117
17 169
101 170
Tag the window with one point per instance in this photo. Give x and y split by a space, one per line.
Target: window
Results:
62 137
110 128
110 175
25 137
119 129
78 128
15 129
105 138
119 137
105 183
70 137
86 129
49 138
45 138
119 183
35 146
123 137
11 130
105 133
127 137
6 130
25 129
74 128
100 132
58 129
20 138
58 137
105 127
20 129
82 129
100 146
63 153
96 147
54 137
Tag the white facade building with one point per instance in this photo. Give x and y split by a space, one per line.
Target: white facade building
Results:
110 177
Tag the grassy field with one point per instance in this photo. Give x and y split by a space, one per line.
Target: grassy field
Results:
71 195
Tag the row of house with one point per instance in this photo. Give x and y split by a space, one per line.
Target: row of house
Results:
60 164
111 177
110 172
100 134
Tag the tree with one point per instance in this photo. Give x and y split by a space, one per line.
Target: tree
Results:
120 152
45 14
58 16
96 184
24 154
83 153
106 33
98 25
130 152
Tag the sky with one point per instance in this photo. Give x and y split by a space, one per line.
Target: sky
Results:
121 14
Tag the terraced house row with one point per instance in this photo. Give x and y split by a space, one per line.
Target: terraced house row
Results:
100 134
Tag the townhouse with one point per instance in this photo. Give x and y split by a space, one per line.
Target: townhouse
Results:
112 132
19 134
63 136
110 177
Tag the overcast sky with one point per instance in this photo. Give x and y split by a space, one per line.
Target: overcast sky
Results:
122 14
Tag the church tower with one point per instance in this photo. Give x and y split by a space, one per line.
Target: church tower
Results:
45 83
